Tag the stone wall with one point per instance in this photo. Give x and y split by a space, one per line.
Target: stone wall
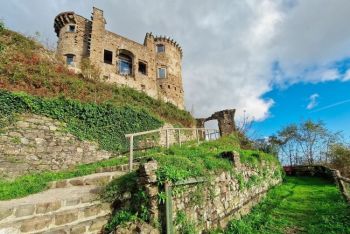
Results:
36 143
209 202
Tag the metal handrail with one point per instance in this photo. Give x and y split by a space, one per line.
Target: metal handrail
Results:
132 135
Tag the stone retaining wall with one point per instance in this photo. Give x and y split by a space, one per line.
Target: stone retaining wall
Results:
37 143
209 202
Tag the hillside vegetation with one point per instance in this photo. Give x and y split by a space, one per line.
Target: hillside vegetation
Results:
27 66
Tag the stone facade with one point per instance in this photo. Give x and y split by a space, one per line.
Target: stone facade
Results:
37 143
209 202
153 67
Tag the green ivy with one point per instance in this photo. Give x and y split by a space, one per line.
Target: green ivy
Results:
105 123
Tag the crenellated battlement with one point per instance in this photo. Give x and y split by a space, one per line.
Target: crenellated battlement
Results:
166 40
62 19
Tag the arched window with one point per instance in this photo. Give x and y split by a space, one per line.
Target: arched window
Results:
160 48
125 64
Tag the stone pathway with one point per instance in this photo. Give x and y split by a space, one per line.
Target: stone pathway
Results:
69 206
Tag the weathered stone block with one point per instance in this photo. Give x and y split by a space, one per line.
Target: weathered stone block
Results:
25 210
72 202
76 182
92 210
98 224
48 207
35 224
66 217
5 212
78 230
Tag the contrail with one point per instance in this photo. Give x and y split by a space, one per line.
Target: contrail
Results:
331 106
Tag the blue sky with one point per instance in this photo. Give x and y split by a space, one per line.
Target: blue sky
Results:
266 58
291 107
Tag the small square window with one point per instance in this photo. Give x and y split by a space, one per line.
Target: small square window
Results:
162 72
168 86
143 68
107 56
160 48
71 28
70 59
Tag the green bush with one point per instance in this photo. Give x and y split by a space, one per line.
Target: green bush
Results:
119 218
105 123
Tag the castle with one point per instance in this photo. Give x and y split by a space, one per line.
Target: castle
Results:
153 67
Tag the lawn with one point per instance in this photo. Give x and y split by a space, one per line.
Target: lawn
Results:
299 205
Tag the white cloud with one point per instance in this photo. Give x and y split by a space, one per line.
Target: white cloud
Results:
229 48
313 101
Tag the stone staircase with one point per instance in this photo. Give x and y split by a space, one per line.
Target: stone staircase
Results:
69 206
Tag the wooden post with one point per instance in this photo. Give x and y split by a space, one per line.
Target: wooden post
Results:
131 156
178 132
167 138
197 136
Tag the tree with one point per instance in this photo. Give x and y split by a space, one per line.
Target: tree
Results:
287 139
306 143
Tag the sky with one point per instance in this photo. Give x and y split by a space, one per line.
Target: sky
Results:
277 61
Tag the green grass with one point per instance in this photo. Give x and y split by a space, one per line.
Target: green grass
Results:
37 182
190 160
299 205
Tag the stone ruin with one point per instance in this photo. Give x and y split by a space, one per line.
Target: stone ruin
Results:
225 120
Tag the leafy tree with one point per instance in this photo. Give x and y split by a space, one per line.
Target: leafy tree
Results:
306 143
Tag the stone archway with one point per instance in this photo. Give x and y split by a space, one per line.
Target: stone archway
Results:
226 121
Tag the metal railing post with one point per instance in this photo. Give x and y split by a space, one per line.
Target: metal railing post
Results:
178 132
197 136
131 156
167 138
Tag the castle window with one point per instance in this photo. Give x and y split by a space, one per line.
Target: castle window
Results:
70 59
161 72
125 64
168 86
160 48
107 56
71 28
142 68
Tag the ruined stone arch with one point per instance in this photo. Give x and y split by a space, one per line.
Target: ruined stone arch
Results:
226 121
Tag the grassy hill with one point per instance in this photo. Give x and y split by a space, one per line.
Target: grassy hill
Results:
25 65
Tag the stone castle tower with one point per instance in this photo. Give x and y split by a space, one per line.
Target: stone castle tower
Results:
153 67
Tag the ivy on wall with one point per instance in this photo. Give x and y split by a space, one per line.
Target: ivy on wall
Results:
103 123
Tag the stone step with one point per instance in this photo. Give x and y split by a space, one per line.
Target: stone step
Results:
62 219
47 201
98 179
